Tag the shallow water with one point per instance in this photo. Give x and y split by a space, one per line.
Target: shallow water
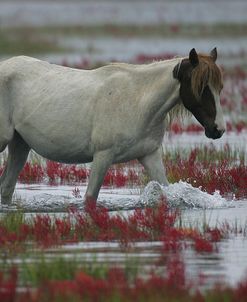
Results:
62 13
40 13
127 49
187 141
46 198
228 264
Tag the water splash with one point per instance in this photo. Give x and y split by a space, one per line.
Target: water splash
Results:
180 195
184 194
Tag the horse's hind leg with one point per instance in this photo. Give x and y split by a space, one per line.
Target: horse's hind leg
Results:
17 154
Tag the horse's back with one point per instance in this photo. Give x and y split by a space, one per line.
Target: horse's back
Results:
50 106
65 111
68 114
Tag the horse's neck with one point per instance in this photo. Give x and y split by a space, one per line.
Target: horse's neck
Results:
164 90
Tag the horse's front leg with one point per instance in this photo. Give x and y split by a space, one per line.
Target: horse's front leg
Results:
153 164
101 162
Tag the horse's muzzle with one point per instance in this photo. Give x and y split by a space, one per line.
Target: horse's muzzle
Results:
214 132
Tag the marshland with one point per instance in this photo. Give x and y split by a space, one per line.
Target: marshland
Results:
143 241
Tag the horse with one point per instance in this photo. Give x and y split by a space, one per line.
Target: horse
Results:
112 114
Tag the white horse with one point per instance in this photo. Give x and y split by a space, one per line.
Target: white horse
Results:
109 115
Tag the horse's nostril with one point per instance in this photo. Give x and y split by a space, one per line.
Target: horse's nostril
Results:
214 132
220 131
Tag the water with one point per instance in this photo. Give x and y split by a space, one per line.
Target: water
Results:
186 141
64 13
45 198
127 49
228 264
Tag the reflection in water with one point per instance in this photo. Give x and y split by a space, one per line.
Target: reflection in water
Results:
228 265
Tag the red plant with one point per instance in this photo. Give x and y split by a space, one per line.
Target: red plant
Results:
83 287
210 176
95 224
8 286
203 245
63 174
31 173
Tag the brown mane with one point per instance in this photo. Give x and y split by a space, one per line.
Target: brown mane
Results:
205 73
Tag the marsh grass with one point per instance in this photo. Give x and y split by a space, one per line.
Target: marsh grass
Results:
43 269
54 276
135 30
26 42
35 269
111 285
207 154
12 221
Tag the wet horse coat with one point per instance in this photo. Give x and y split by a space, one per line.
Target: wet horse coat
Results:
108 115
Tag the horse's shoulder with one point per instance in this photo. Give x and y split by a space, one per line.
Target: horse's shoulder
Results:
117 67
119 72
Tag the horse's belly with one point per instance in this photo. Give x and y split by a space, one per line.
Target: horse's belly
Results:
67 149
136 150
72 157
79 158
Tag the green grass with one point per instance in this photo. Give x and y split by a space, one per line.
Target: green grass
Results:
43 273
26 42
29 41
208 154
57 268
36 268
12 221
160 30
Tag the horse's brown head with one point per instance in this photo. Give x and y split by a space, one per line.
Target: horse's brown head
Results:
200 86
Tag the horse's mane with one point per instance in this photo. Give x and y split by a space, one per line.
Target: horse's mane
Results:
177 113
205 73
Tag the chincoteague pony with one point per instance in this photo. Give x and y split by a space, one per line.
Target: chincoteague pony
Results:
108 115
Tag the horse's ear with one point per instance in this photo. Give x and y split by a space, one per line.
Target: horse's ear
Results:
193 57
213 54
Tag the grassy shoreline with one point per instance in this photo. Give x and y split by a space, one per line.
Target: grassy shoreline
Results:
43 40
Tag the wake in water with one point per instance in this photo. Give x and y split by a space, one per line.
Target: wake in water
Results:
180 195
